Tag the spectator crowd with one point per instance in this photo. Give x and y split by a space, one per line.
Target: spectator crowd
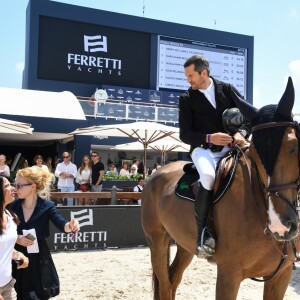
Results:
88 176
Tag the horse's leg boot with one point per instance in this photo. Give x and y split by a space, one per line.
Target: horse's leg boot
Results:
205 241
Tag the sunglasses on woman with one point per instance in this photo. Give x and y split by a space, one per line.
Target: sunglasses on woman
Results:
19 186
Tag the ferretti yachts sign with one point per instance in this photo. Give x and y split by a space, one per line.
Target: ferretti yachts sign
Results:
93 63
100 227
88 53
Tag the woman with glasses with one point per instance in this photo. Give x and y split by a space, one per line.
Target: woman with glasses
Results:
8 237
40 279
133 170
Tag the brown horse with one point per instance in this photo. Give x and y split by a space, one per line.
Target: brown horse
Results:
255 221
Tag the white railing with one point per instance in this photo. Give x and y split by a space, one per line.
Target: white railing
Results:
125 110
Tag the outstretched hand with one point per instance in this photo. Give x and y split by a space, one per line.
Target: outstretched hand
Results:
74 225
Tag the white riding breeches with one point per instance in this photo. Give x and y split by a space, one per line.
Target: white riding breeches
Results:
206 163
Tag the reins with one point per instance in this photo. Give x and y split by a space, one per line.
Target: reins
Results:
273 124
282 261
273 191
284 253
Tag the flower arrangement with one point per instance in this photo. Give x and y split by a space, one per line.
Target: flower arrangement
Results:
110 177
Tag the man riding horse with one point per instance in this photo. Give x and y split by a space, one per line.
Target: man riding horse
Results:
200 122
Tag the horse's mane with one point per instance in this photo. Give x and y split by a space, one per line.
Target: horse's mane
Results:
267 142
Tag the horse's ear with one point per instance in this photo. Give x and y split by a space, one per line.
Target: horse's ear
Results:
286 102
247 110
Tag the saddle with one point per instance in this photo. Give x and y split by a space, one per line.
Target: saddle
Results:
186 186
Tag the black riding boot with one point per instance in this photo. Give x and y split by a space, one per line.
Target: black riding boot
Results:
205 241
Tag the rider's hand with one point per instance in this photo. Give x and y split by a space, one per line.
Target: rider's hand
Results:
221 139
238 139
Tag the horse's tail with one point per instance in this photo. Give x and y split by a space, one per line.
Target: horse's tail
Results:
155 282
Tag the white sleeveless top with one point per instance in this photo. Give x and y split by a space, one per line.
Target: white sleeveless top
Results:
7 243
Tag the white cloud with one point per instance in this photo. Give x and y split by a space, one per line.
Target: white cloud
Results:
19 67
293 13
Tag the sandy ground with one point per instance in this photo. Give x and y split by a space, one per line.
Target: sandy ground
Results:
126 274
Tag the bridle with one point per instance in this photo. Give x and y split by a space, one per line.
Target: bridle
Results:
273 190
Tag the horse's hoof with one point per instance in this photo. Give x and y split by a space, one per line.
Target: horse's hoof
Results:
200 252
210 243
204 252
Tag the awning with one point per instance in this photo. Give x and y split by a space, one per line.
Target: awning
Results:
21 102
34 139
14 127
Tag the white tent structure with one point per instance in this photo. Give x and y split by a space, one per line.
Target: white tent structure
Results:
32 103
41 104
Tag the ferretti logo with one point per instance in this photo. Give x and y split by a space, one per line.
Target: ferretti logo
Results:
96 43
94 63
84 217
82 239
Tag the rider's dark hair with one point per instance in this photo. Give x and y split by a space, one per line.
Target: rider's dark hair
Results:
200 63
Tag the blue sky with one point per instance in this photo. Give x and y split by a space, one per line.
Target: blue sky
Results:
274 24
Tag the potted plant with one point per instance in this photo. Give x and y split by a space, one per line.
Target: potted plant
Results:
109 180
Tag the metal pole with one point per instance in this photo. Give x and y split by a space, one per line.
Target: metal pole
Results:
145 153
114 195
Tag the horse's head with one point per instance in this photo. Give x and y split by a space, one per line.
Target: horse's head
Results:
275 152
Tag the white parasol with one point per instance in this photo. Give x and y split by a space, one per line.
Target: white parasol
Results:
162 146
145 133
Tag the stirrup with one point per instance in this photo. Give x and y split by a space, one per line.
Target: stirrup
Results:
207 246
